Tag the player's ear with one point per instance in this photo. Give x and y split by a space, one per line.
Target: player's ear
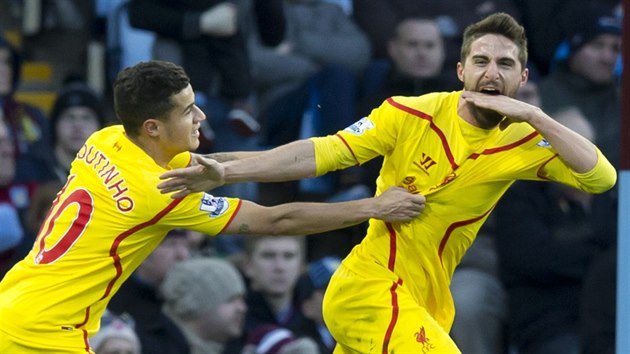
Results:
151 127
460 71
524 77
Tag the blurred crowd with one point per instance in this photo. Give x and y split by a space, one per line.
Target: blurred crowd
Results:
540 277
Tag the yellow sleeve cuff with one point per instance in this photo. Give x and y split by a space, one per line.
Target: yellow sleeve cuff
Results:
331 154
599 179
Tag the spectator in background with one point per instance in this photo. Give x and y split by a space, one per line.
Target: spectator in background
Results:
547 237
204 37
308 84
584 74
416 55
205 297
14 199
309 295
271 339
378 18
27 124
117 336
547 22
139 298
262 22
75 115
271 267
323 41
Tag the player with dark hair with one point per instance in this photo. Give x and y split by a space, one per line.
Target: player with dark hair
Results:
109 216
461 150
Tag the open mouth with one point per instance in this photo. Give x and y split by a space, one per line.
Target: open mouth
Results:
490 91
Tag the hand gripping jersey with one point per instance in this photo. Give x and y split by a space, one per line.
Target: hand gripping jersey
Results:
461 169
104 222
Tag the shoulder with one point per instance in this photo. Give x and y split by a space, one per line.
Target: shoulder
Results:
427 105
106 134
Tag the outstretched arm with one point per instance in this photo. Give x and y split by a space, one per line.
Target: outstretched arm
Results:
575 150
288 162
394 205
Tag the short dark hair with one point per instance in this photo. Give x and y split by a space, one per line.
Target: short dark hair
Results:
498 23
144 91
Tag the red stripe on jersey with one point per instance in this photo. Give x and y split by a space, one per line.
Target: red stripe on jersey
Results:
84 331
113 250
539 172
392 322
85 319
433 127
392 246
505 147
349 148
85 340
238 207
456 225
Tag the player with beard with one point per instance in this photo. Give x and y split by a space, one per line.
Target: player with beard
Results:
458 149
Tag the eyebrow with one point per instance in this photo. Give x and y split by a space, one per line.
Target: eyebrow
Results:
479 56
189 107
501 59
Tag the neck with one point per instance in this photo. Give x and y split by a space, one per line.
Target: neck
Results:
281 306
152 148
279 303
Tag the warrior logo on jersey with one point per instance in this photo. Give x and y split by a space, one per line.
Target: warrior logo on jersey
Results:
214 206
543 144
360 126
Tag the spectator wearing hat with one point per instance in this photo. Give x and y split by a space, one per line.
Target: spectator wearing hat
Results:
116 336
309 293
27 124
139 297
584 73
271 339
76 113
206 298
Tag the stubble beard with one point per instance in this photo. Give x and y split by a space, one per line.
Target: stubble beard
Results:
486 118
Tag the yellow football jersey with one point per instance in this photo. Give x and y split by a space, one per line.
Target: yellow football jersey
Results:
107 218
461 169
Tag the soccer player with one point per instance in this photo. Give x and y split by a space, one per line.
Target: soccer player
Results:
461 150
109 215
